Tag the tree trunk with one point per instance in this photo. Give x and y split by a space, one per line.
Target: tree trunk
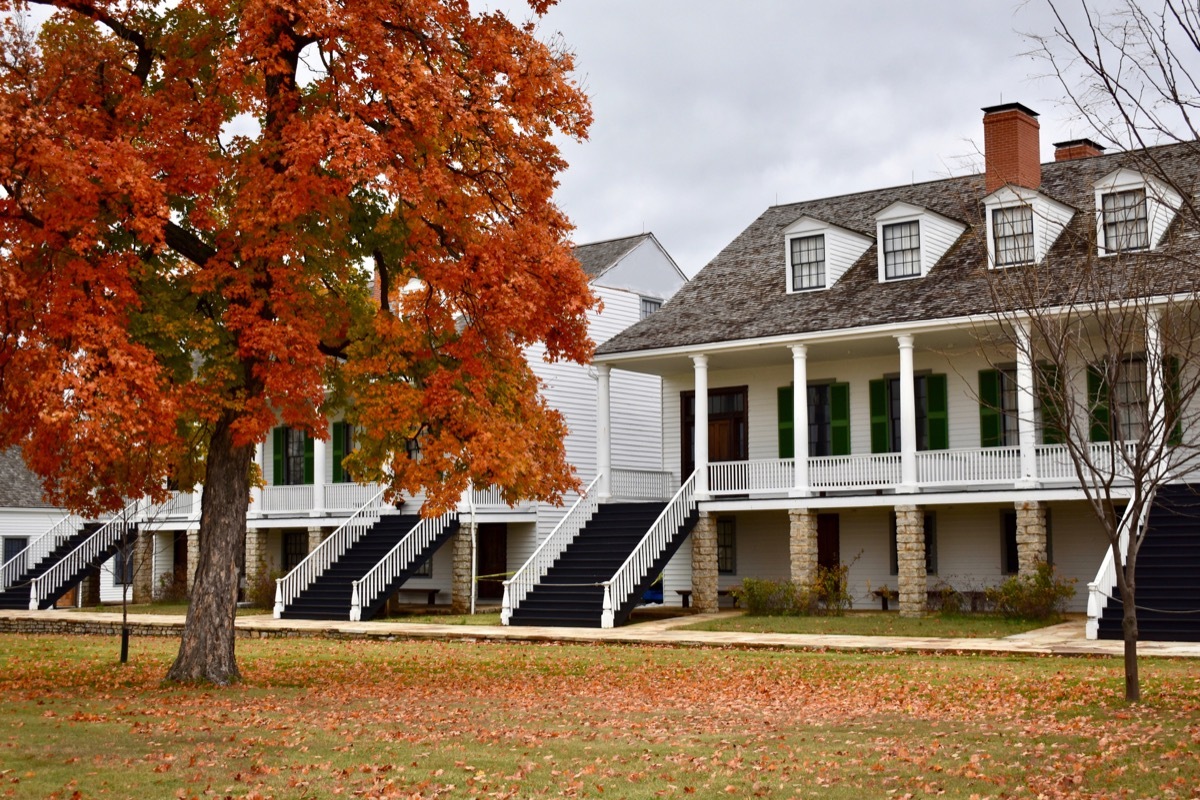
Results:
1133 690
206 652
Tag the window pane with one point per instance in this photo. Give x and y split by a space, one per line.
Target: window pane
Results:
1013 231
649 306
1125 226
1129 401
902 250
1009 433
808 262
726 545
293 466
820 421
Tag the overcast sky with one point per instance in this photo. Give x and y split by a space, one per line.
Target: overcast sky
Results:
709 111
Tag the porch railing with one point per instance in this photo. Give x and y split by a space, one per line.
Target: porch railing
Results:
41 546
521 584
642 484
280 499
758 475
108 534
619 588
874 471
1106 579
969 466
348 496
367 589
289 587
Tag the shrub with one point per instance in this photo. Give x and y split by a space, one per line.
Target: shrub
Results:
260 591
832 590
1039 596
767 598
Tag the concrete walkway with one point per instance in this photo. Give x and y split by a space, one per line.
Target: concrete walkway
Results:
1066 639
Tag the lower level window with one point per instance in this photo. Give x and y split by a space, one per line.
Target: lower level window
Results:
295 549
122 565
726 545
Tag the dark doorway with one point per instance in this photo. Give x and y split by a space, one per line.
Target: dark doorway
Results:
13 545
492 541
179 565
829 547
727 426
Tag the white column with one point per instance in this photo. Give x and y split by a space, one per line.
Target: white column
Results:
1156 378
908 417
701 436
1026 408
318 507
257 493
604 430
800 418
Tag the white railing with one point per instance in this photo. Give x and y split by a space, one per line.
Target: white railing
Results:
1054 463
367 589
289 587
348 496
42 546
1106 578
179 504
82 556
875 471
969 466
277 499
642 484
751 477
532 571
491 498
621 585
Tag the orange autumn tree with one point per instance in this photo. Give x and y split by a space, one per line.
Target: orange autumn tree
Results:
194 196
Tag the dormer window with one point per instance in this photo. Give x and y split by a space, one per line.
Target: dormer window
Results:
1124 219
650 305
902 250
808 262
1133 212
1013 235
817 254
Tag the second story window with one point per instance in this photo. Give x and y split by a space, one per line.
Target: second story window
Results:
1013 230
808 262
294 456
649 306
902 250
1125 222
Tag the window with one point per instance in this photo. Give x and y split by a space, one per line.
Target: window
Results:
820 421
295 549
1118 414
726 545
930 402
425 570
1125 223
998 421
649 306
13 545
293 463
930 545
1013 231
808 262
727 426
902 250
343 445
828 420
122 566
292 457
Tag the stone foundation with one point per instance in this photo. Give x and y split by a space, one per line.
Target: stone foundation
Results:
910 558
316 535
704 565
1031 536
256 555
803 547
193 558
460 586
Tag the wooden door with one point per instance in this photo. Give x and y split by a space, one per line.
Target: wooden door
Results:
829 548
492 544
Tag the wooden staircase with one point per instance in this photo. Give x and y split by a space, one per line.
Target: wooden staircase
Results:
570 594
16 596
329 596
1168 572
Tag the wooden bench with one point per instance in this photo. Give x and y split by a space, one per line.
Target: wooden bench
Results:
686 594
431 594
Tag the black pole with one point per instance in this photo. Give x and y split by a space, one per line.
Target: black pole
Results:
124 644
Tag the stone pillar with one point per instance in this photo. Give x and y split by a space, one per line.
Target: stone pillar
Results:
316 535
461 584
193 557
256 555
803 547
1031 536
910 558
143 567
704 564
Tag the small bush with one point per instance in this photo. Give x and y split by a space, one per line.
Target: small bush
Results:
768 598
171 590
260 591
1042 595
832 590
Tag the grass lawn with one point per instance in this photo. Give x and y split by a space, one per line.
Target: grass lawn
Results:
878 623
318 718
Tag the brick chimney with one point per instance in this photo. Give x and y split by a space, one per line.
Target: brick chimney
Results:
1010 147
1076 148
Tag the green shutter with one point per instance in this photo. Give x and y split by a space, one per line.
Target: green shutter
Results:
277 446
339 451
839 408
991 429
1049 393
309 460
1171 377
787 426
1098 398
881 441
937 416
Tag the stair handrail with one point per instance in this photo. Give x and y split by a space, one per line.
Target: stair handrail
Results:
620 586
518 587
1106 576
88 550
313 565
366 590
41 546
